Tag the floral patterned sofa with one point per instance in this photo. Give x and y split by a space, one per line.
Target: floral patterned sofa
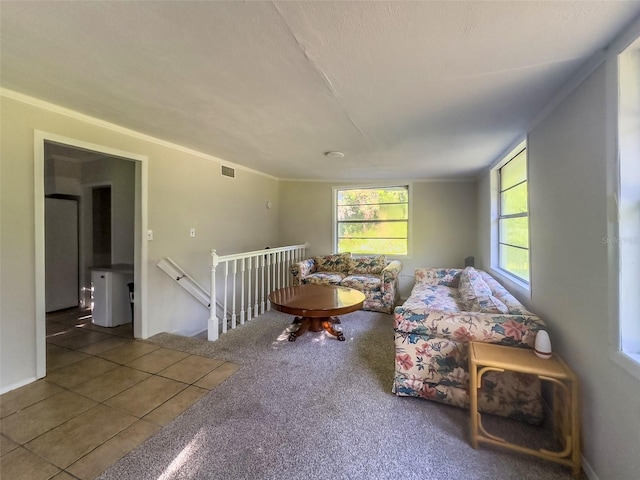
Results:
373 275
446 309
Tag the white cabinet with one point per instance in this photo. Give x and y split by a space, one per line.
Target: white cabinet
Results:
111 304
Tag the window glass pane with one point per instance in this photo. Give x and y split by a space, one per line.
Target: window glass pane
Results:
372 229
373 220
373 212
515 231
514 200
514 172
373 246
515 260
368 196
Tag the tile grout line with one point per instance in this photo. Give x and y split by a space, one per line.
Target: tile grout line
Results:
70 348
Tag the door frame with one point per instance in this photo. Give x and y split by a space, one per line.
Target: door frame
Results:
140 324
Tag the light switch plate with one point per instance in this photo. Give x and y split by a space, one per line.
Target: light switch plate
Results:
192 232
149 234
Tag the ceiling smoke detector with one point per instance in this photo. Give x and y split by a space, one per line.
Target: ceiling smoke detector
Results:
334 154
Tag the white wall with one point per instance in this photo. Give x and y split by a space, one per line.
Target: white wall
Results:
443 222
185 190
567 154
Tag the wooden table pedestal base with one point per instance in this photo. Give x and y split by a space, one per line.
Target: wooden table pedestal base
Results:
316 325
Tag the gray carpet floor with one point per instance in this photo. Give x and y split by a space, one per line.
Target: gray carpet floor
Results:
318 408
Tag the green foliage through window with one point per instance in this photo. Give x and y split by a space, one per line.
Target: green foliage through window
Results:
373 220
513 223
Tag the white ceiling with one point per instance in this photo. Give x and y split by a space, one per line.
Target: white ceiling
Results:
404 89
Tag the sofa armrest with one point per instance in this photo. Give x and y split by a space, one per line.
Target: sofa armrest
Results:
389 277
391 271
503 329
302 269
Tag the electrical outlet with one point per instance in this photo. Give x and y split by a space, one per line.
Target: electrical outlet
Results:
192 232
149 234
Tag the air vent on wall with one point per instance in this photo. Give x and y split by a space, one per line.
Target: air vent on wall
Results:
228 172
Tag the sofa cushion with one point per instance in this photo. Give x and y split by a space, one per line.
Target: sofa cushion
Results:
475 294
370 265
501 293
433 297
324 278
447 277
364 283
333 263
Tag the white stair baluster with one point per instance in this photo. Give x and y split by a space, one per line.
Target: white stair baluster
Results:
256 298
276 271
224 301
212 327
242 292
249 309
233 290
268 288
285 266
264 267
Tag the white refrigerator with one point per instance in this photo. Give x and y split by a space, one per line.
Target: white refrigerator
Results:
61 253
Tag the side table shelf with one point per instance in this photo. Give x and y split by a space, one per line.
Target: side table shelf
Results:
485 357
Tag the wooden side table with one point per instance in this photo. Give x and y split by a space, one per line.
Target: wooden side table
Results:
485 357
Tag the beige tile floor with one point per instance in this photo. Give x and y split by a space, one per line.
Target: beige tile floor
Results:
104 394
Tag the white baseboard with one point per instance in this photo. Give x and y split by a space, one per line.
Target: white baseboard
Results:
205 330
591 475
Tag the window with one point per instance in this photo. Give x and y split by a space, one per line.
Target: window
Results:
627 239
372 220
513 219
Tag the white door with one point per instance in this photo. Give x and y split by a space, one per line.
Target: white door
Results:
61 254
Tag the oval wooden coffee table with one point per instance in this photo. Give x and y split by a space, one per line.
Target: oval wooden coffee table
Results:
316 306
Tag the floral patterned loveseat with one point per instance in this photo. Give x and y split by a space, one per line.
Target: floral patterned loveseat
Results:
373 275
446 309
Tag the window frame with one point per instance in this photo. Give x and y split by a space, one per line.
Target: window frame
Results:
623 232
497 263
373 186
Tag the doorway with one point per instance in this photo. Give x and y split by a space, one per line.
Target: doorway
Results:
124 249
101 225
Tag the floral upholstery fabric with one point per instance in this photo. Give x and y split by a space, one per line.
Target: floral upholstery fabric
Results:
302 269
364 283
476 294
380 289
432 331
333 263
445 380
324 278
514 307
371 265
436 297
447 277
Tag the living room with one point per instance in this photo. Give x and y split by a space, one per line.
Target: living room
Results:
570 152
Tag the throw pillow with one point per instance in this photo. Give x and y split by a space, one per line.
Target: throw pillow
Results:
372 265
476 295
338 262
